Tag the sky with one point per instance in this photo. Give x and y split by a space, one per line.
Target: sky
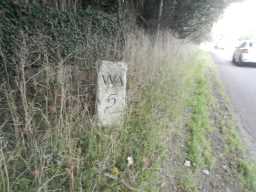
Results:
238 20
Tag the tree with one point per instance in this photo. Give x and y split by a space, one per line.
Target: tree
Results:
187 18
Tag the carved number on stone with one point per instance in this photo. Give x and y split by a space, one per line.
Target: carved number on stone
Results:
112 101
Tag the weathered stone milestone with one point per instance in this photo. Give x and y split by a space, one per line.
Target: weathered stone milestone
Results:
111 92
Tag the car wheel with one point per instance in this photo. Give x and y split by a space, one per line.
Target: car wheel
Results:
240 62
233 59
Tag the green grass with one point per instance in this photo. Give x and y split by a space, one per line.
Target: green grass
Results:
199 146
247 171
187 183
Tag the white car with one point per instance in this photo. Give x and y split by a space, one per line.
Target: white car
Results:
245 53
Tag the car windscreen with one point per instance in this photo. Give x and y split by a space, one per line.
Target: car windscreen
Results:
242 45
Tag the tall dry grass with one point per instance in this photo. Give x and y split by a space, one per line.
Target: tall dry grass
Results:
50 141
147 56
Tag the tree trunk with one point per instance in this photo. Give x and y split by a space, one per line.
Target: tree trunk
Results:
160 13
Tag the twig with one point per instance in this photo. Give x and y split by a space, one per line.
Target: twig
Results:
49 180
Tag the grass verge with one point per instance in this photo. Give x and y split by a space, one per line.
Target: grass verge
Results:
235 150
212 142
199 146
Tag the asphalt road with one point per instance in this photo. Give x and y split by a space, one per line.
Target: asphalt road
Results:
240 85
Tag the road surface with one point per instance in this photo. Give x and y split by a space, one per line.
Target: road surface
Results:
240 85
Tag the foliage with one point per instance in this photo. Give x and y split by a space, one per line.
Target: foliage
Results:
186 18
83 33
